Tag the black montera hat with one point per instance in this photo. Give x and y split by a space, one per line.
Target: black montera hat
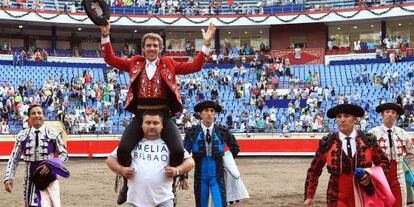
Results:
352 109
392 106
207 104
97 10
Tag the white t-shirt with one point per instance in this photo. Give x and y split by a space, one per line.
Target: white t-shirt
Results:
150 186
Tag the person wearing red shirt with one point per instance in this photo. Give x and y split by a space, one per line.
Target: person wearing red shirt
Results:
44 55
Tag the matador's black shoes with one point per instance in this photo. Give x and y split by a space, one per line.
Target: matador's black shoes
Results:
121 187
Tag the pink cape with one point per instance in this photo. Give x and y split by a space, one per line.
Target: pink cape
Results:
383 196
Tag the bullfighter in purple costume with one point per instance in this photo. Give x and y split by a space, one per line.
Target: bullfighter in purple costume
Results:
36 145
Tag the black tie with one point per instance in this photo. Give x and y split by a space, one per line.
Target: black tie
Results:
390 137
348 146
36 142
208 136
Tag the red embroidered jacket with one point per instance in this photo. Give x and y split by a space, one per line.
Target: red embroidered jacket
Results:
330 152
167 67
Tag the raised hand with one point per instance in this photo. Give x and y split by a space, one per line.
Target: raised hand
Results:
105 29
209 34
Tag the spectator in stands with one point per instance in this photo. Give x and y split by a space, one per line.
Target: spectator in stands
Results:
247 51
66 7
125 51
72 7
229 121
387 42
30 54
287 66
6 3
231 58
22 57
35 5
4 127
16 59
379 52
44 55
6 48
395 78
19 4
75 52
251 126
140 3
221 57
214 58
260 124
386 82
393 57
410 71
24 4
189 48
235 71
298 51
330 44
42 5
5 111
200 96
38 56
262 47
214 93
236 57
309 79
341 98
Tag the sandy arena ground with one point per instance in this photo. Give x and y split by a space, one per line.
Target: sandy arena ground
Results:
272 182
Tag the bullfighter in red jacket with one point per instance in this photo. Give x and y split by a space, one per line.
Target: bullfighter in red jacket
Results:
153 86
343 152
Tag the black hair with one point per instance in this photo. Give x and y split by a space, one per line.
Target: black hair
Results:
36 105
153 113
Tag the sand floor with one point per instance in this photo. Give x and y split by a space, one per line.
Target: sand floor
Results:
271 181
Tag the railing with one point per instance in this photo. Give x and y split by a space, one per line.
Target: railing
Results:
284 9
151 10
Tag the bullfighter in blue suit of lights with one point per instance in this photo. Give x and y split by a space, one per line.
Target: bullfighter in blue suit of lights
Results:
206 142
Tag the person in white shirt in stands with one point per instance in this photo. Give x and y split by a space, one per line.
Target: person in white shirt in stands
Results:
150 178
4 128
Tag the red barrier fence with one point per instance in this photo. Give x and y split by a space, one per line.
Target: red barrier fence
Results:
255 146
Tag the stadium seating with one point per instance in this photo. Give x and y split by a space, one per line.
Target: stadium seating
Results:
340 77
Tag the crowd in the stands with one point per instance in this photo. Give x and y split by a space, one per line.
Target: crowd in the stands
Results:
87 106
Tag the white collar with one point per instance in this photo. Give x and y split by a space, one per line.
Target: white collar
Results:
386 128
205 127
342 136
151 63
41 129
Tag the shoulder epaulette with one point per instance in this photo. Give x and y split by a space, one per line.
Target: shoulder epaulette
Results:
326 142
51 133
223 128
21 136
368 138
191 131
